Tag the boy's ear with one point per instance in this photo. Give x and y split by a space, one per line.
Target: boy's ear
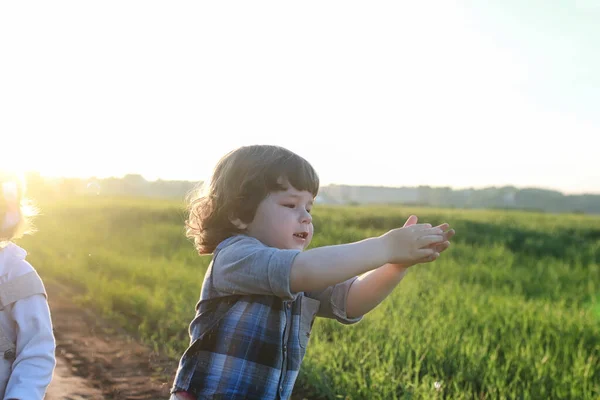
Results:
238 223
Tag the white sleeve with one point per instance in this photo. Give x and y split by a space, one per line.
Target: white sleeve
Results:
34 365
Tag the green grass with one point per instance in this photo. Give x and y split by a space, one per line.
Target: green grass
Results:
510 311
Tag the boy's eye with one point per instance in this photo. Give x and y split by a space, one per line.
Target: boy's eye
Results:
289 205
308 210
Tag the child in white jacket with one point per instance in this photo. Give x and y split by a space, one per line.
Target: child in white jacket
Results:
27 345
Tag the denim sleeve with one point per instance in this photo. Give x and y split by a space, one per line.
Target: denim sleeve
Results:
247 266
333 302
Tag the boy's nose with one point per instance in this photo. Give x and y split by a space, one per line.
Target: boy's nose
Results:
306 217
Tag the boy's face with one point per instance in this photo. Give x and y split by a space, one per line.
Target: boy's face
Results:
283 219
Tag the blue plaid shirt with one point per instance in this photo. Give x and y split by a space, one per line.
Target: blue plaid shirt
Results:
250 332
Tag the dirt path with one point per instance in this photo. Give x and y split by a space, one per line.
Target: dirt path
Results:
97 362
67 386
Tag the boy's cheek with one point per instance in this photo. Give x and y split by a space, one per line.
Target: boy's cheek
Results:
309 239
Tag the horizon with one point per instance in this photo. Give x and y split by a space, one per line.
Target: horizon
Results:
466 95
92 179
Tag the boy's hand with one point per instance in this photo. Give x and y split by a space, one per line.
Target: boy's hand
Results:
416 243
438 247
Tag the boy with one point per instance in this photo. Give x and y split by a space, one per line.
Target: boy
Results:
263 290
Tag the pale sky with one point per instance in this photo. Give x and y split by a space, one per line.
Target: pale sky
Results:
460 94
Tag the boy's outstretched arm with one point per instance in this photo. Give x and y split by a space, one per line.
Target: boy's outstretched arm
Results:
318 268
371 288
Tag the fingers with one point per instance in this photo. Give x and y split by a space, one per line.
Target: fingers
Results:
412 220
428 240
432 241
434 234
426 255
440 247
443 226
438 230
449 234
420 227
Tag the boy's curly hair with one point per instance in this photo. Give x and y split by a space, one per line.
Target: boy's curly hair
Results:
16 211
240 181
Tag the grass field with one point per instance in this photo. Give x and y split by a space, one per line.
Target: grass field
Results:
510 311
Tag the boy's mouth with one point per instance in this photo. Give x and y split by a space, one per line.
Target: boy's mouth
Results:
301 235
